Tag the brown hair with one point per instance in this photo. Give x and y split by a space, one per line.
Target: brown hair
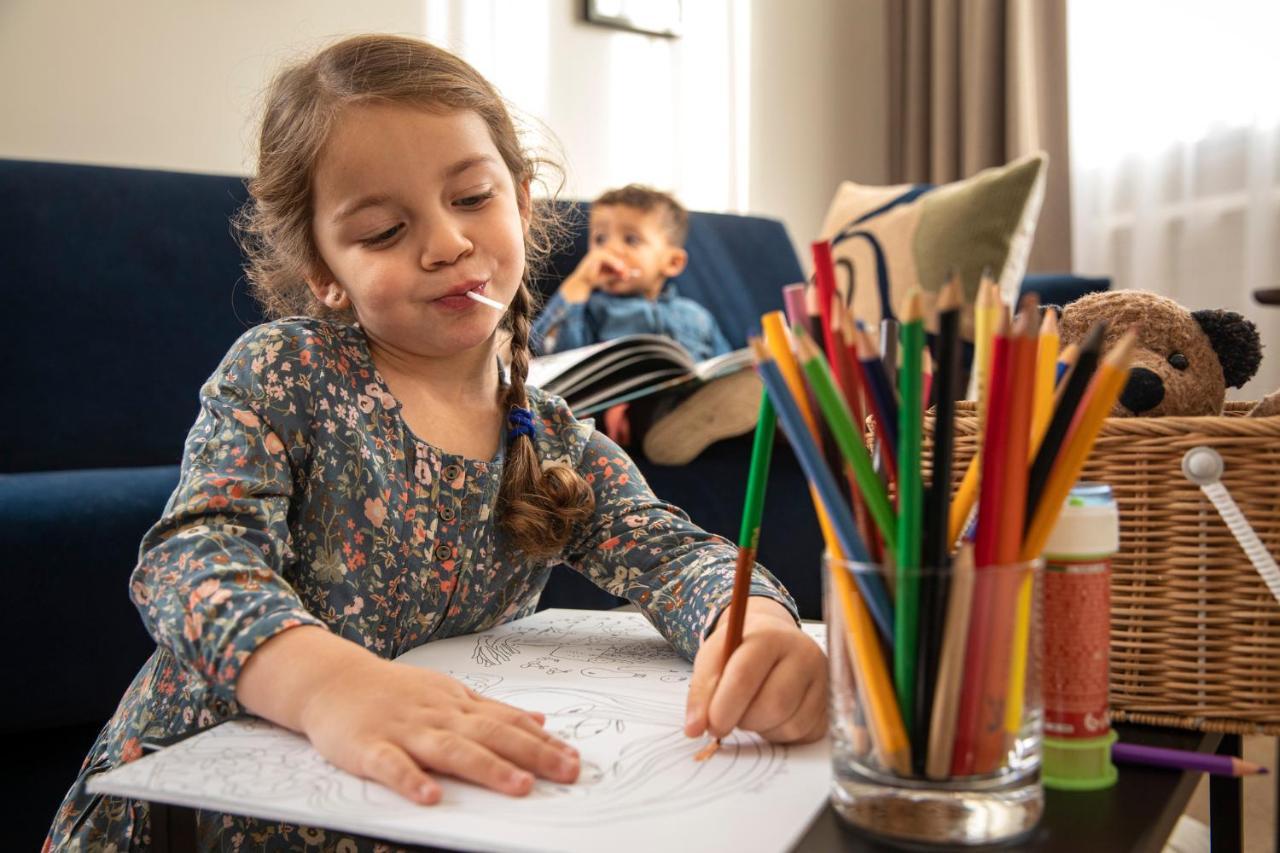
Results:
675 219
537 506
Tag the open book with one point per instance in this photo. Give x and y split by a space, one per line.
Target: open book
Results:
595 377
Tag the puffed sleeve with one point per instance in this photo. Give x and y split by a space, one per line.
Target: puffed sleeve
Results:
648 551
210 576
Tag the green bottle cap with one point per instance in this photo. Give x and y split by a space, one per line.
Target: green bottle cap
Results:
1080 764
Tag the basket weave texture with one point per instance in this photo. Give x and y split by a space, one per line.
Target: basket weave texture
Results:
1195 634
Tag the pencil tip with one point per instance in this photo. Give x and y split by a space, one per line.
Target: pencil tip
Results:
952 297
911 311
1049 325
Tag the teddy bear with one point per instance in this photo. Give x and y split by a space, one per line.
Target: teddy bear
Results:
1184 360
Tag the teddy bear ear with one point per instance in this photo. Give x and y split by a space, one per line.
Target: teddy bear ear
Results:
1236 342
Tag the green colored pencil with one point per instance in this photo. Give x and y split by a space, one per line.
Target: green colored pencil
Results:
910 513
752 512
847 437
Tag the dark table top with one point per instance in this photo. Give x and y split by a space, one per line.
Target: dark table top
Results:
1137 814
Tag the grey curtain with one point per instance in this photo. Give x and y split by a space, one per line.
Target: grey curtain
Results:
976 83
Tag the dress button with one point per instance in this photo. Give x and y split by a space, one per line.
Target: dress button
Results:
446 512
452 472
443 552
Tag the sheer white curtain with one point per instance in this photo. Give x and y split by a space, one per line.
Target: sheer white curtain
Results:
1175 150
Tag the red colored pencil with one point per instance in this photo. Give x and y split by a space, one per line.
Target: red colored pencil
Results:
971 690
990 750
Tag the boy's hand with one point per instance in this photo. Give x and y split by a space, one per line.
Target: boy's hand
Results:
775 683
598 267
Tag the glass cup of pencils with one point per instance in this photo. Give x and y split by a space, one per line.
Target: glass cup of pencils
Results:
936 718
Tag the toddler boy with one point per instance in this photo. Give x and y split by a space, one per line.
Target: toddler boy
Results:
622 287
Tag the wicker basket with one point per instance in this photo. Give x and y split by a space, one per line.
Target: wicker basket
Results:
1195 634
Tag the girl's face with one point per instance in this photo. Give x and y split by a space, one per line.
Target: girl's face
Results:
412 209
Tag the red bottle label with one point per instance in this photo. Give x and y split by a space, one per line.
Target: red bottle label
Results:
1077 625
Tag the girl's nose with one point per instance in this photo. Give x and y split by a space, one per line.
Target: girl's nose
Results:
446 243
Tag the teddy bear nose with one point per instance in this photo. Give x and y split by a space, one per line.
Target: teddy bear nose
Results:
1143 392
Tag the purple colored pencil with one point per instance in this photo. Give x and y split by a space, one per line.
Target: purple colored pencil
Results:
1182 759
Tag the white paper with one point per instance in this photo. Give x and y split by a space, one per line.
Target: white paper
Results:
608 683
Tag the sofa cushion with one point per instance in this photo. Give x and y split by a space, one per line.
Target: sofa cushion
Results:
129 284
71 542
897 238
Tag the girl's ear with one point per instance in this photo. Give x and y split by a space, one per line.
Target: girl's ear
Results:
326 289
675 262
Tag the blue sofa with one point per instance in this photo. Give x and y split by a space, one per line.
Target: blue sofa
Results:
126 290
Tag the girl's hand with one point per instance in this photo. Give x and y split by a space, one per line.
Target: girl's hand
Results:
393 723
397 724
775 683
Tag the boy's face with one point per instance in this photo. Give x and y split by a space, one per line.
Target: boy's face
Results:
639 239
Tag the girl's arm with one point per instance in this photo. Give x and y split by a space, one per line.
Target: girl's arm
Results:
211 588
643 549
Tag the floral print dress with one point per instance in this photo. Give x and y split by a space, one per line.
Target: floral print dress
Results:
304 499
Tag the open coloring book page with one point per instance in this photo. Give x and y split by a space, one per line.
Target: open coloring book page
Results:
608 683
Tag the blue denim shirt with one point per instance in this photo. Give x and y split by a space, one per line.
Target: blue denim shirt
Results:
606 316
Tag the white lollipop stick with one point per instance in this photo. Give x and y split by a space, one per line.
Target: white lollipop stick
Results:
1203 466
484 300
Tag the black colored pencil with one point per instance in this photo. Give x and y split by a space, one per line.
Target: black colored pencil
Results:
1063 412
937 509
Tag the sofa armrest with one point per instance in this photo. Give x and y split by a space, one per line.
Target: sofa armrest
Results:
72 540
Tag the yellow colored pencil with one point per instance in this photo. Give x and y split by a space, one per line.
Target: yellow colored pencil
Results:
987 315
1046 376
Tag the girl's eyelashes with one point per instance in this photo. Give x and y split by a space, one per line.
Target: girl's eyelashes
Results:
383 237
476 200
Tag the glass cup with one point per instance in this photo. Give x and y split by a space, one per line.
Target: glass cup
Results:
962 767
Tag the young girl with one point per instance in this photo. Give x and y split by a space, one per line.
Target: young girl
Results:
362 478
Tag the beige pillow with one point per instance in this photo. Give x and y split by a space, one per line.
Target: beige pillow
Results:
891 239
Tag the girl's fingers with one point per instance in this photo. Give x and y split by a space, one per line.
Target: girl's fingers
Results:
384 762
807 724
547 758
531 722
749 669
779 697
702 684
452 752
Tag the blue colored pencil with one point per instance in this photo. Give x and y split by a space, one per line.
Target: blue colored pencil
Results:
869 583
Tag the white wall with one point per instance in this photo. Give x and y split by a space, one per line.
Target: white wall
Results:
760 105
170 84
